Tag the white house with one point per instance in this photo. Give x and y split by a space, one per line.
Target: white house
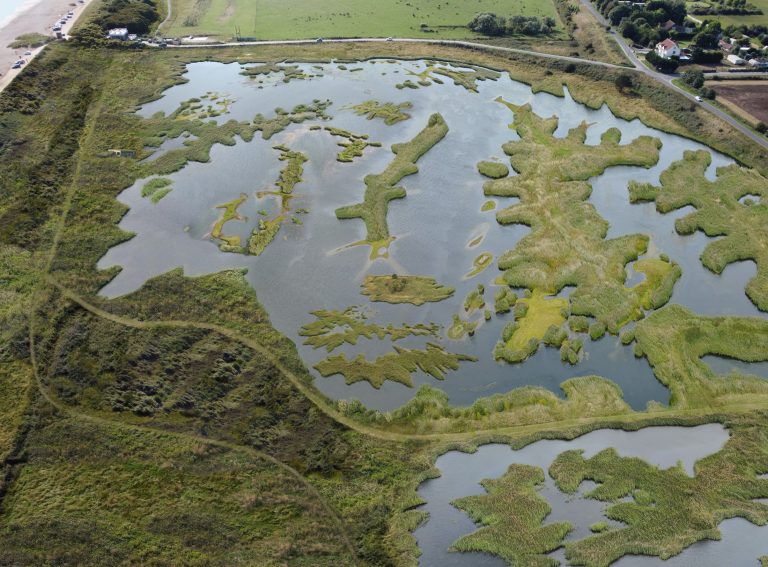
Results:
118 33
735 60
668 48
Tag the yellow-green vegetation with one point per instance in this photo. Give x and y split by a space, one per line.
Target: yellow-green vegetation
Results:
744 227
570 350
390 112
493 169
382 188
480 264
674 340
466 78
198 355
504 300
197 109
290 72
204 134
229 212
282 119
29 40
291 175
567 244
157 188
263 235
460 328
488 206
353 147
662 511
395 366
687 509
405 289
541 312
475 300
331 329
512 513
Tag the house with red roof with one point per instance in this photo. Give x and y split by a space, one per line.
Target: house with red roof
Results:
668 49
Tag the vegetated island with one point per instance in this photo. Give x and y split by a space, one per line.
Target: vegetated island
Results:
567 244
390 112
405 289
381 188
466 78
266 230
354 146
331 329
719 212
395 366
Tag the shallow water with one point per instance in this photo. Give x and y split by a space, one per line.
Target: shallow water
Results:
461 474
725 365
309 267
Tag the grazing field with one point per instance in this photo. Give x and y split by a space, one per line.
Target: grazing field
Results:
272 19
758 19
747 98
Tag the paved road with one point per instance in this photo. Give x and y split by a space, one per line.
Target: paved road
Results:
667 80
448 42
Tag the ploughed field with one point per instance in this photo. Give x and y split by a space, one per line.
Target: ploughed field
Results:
415 224
751 97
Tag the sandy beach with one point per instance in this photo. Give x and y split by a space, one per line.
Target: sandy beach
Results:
31 16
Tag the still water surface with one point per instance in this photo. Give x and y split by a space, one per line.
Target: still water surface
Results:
309 268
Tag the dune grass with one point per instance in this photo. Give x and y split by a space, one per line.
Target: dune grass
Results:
331 329
512 513
382 188
390 112
743 227
416 290
397 366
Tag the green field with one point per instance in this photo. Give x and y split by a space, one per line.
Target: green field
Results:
740 20
273 19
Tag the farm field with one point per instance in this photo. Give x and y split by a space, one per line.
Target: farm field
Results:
747 98
758 19
274 19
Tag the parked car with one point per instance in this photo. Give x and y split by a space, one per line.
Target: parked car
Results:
27 53
319 40
389 39
698 99
16 65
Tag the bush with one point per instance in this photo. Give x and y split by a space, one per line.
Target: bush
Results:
708 93
663 65
761 127
694 79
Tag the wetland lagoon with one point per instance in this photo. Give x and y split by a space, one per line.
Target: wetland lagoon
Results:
384 232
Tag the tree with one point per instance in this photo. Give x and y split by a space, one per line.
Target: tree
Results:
694 79
488 24
623 82
89 35
663 65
